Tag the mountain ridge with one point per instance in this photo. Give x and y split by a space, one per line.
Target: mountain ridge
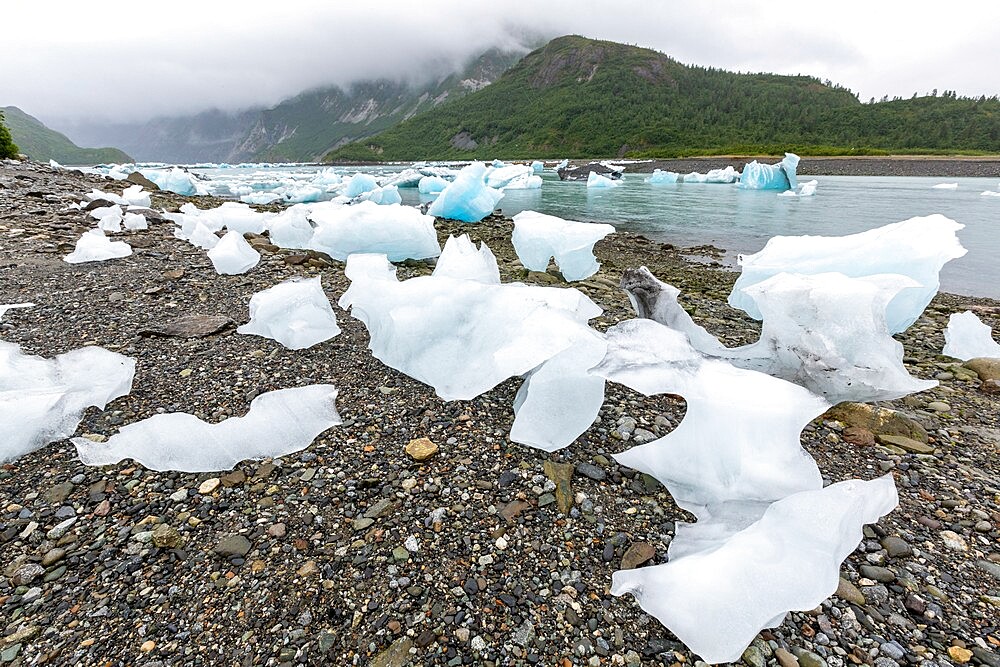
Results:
40 142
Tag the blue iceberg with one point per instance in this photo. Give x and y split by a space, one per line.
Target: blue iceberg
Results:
660 177
468 198
360 184
431 185
779 176
537 166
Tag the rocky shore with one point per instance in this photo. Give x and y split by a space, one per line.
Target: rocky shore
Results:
483 552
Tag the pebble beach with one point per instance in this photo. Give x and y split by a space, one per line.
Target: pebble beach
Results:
417 533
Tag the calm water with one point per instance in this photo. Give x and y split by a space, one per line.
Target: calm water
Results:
742 221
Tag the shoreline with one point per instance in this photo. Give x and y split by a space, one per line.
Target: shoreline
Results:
323 578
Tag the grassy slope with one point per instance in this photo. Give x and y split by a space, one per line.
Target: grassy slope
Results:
578 97
42 143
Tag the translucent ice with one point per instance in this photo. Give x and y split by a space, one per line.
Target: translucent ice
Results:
460 259
537 166
291 228
278 423
659 177
524 182
431 185
383 196
467 198
135 222
968 338
42 400
500 178
595 180
359 184
197 234
296 313
233 255
538 237
401 232
234 216
461 336
109 218
916 248
716 601
825 332
727 175
807 189
94 246
779 176
174 180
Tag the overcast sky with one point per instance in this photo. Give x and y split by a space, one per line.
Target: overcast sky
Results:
134 60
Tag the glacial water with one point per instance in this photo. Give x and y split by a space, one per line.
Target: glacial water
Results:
741 221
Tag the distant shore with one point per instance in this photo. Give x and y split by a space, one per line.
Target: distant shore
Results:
895 165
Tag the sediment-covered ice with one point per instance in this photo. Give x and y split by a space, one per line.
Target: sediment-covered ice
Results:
42 400
966 337
278 423
296 313
94 246
467 198
660 177
595 180
825 332
232 255
538 237
401 232
916 248
461 336
716 601
779 176
461 259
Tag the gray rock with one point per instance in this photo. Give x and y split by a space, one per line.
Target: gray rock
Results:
590 470
233 545
880 574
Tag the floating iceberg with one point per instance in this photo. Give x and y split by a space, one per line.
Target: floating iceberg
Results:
659 177
500 178
596 180
42 400
296 313
304 194
359 184
232 255
945 186
401 232
430 185
807 189
94 246
779 176
467 198
717 601
825 332
968 338
524 182
562 165
383 196
291 228
727 175
260 197
173 180
538 237
916 248
537 166
408 178
278 423
461 260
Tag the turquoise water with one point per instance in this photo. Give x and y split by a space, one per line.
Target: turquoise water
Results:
742 221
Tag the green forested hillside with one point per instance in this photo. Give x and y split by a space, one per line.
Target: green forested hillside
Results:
8 148
42 143
578 97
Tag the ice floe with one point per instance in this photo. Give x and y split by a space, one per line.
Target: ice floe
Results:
94 246
966 337
727 175
233 255
659 177
296 313
595 180
945 186
538 237
42 400
467 198
278 423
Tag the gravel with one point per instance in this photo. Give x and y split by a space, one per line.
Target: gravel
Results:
353 553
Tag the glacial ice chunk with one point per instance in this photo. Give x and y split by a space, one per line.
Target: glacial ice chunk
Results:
916 248
825 332
197 234
461 260
500 178
526 181
359 184
779 176
467 198
383 196
429 185
461 336
94 246
42 400
401 232
807 189
296 313
278 423
945 186
727 175
537 166
966 337
291 228
135 222
109 218
232 255
538 237
562 165
717 601
595 180
660 177
260 197
173 180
